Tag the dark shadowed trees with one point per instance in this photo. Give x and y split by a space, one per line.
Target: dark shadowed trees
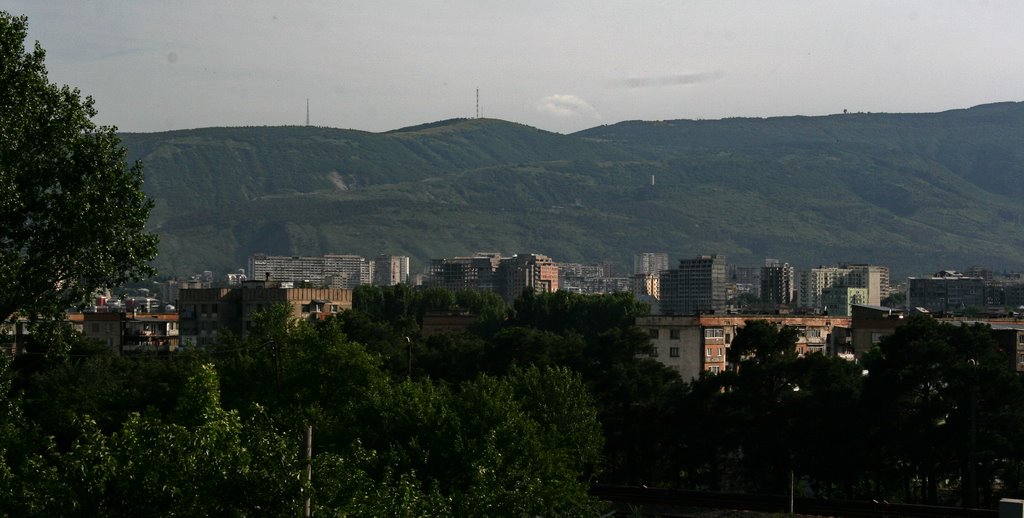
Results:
72 213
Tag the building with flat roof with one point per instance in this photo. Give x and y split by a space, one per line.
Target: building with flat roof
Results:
692 344
206 312
696 285
526 271
327 271
650 263
389 270
777 283
946 291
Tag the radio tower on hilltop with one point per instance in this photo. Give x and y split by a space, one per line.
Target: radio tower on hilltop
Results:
307 111
478 103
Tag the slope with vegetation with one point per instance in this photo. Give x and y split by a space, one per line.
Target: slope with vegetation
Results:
918 192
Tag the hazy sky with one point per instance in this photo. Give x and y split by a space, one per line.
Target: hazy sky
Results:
561 66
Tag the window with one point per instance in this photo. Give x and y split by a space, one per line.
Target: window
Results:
714 332
654 352
728 338
334 308
213 309
715 369
652 333
814 333
673 352
709 352
305 308
202 309
673 334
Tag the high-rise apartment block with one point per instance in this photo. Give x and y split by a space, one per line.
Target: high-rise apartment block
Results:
526 271
777 283
332 271
946 291
389 270
488 271
813 282
697 285
476 272
651 263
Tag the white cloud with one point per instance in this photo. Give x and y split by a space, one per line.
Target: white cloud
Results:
566 105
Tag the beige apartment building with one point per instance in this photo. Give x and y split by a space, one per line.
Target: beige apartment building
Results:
692 344
206 312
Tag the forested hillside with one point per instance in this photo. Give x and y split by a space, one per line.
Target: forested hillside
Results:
918 192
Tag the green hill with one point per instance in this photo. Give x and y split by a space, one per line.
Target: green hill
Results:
918 192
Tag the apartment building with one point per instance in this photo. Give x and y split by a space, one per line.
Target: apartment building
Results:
331 271
206 312
814 281
696 285
946 291
526 271
777 283
691 344
650 263
389 270
476 272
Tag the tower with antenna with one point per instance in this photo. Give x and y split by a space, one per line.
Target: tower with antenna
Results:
307 111
478 103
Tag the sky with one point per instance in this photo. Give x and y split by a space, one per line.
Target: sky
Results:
562 66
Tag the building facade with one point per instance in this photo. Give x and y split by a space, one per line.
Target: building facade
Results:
389 270
650 263
697 285
946 291
206 312
777 283
332 270
692 344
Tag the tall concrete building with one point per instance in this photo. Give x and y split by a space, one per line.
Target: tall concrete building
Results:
946 291
526 271
839 300
813 282
389 270
651 263
697 285
476 272
777 283
332 270
873 278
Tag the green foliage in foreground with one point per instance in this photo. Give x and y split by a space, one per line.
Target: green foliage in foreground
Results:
515 417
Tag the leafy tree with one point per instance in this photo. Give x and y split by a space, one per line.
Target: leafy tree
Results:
945 408
72 213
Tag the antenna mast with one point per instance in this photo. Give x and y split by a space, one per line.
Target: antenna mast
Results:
307 111
478 103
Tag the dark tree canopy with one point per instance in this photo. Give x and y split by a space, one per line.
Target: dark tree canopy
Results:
72 212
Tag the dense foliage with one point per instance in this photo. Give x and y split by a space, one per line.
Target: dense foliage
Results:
515 416
71 211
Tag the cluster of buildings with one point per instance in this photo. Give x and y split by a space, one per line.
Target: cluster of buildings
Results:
696 303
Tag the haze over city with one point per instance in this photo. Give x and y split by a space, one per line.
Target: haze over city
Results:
375 66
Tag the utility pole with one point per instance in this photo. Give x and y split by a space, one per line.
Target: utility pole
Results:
308 509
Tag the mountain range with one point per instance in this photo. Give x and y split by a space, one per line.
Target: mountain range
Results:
916 192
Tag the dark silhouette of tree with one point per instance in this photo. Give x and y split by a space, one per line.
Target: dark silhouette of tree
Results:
72 213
